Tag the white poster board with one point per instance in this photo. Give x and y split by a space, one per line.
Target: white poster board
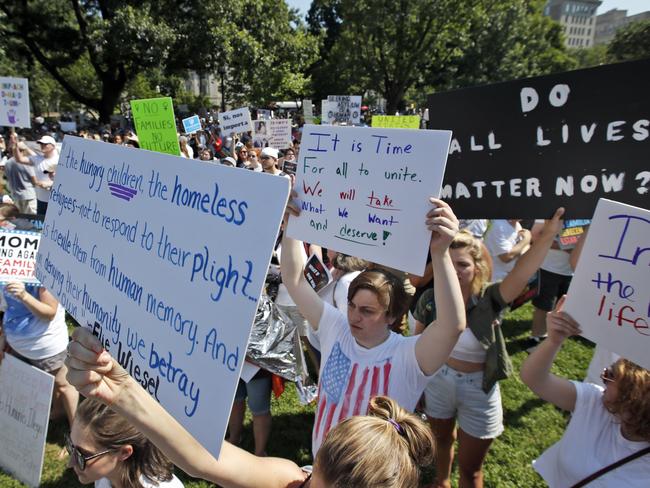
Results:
235 121
14 102
344 109
164 259
68 126
610 292
272 132
365 191
25 398
18 255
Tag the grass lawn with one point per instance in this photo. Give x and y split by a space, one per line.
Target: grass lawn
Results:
531 425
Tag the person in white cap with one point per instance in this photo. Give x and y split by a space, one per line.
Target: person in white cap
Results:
269 159
41 163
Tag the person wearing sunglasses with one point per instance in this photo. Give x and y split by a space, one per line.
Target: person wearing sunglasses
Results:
105 449
607 441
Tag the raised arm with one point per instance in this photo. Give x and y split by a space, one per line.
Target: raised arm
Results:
536 370
44 307
97 375
437 341
18 156
529 262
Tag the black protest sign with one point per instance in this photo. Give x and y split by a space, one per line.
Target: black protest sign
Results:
521 149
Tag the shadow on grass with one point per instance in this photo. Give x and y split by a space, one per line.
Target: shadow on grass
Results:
512 418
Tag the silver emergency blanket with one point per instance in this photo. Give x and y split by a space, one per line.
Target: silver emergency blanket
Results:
274 345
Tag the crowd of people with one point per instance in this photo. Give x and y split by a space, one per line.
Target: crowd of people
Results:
383 345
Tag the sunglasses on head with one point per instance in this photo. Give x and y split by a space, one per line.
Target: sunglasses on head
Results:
607 375
79 459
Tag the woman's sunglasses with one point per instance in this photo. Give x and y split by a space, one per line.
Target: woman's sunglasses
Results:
607 376
79 459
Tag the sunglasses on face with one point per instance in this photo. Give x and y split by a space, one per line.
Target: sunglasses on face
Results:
79 459
607 376
265 157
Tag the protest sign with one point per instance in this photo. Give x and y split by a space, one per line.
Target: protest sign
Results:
155 125
191 124
264 114
308 111
68 126
261 133
571 232
273 132
235 121
164 259
365 192
396 121
316 273
609 295
14 102
526 147
25 398
18 255
344 109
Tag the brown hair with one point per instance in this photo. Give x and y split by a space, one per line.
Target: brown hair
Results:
389 290
632 404
348 263
111 431
482 264
384 448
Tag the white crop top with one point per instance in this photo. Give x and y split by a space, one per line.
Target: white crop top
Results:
468 348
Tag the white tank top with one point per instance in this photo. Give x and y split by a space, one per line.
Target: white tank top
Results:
468 348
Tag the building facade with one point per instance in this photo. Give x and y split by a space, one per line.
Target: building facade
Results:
611 21
577 17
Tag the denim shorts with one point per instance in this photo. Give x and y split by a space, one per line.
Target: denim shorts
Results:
258 391
451 393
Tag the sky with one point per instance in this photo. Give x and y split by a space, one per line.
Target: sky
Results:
632 6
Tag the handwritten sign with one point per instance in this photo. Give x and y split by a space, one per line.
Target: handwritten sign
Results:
343 109
280 136
155 125
365 191
308 111
14 102
396 121
610 292
164 259
25 398
526 147
235 121
191 124
571 232
18 256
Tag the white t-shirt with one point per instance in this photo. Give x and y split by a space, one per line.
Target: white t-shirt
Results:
41 164
172 483
283 297
350 375
500 239
592 441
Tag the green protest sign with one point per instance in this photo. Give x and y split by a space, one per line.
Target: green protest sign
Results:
155 125
396 121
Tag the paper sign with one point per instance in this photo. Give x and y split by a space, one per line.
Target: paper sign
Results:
273 133
68 126
343 109
164 259
571 232
396 121
191 124
261 133
609 295
523 148
316 273
18 255
264 114
235 121
25 398
14 102
155 125
365 192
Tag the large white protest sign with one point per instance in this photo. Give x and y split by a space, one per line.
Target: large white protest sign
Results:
235 121
343 109
14 102
365 191
18 255
273 132
610 292
25 397
164 259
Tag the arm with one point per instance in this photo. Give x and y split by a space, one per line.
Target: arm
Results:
437 341
418 281
44 308
528 263
536 370
518 249
97 375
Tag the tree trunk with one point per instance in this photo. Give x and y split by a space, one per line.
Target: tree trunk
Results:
111 91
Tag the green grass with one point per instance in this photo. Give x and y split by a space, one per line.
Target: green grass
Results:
531 424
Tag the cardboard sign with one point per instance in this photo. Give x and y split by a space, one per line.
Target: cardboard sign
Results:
273 133
155 125
18 256
164 259
192 124
343 109
14 102
524 148
68 126
25 398
609 295
235 121
396 121
571 232
365 192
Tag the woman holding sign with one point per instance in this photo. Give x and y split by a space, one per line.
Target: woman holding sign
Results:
607 441
361 356
466 388
400 442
